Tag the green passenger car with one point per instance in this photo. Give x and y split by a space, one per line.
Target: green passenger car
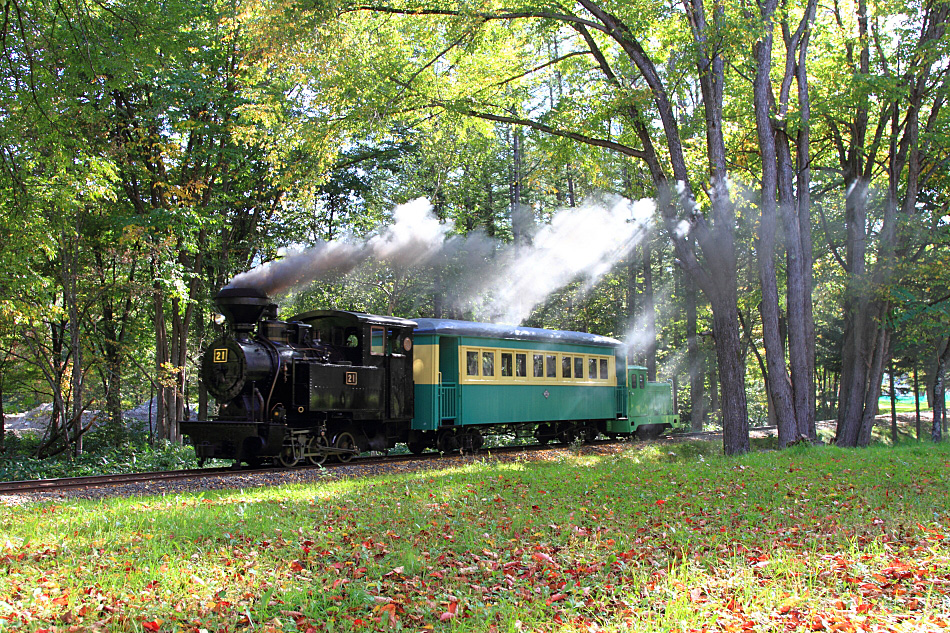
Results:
477 378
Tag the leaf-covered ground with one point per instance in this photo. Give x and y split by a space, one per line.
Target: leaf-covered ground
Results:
807 539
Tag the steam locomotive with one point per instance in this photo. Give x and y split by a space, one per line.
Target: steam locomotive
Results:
332 383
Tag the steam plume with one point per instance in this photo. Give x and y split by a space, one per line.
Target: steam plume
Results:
502 282
581 242
415 236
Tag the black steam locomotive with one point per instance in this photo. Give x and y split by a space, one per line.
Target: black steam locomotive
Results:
315 386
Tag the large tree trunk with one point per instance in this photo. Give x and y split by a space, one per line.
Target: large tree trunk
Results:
715 271
162 360
777 382
735 427
694 360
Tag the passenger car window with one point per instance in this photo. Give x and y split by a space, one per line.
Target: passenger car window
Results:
538 366
603 369
521 365
488 363
578 366
550 361
592 368
506 364
471 361
565 367
377 346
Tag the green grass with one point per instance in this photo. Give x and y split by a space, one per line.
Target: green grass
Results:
655 538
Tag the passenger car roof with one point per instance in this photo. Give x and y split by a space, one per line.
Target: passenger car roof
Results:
450 327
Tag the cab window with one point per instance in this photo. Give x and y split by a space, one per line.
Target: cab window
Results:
377 346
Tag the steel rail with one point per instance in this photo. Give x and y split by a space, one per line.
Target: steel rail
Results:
66 483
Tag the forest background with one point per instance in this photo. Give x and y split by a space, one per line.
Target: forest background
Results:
796 153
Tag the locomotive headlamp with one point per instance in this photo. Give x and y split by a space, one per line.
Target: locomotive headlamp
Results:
218 318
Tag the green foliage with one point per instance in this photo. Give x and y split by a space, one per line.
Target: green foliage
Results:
103 456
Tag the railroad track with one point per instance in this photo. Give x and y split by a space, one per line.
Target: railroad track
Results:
64 483
95 481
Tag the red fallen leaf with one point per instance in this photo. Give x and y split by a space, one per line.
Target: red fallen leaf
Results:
154 625
863 608
660 502
451 612
296 566
555 598
542 557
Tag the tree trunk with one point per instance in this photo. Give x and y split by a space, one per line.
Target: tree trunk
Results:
893 405
705 247
939 396
520 216
916 402
735 421
694 360
777 383
3 420
162 360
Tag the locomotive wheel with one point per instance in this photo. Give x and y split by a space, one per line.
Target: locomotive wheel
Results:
567 433
448 441
589 433
544 434
345 441
416 448
288 456
317 444
470 441
649 431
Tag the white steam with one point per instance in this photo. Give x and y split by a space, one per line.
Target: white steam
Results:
502 282
415 236
584 242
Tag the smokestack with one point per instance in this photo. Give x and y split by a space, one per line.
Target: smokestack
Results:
243 307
